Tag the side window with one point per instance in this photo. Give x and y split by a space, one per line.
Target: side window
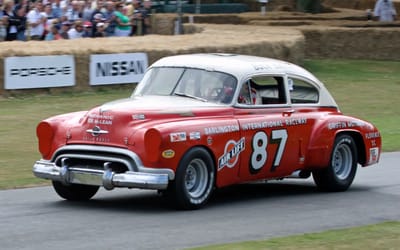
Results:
302 91
266 90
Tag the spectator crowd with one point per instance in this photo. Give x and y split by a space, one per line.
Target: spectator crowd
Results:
71 19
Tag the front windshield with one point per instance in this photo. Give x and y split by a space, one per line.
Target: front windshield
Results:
187 82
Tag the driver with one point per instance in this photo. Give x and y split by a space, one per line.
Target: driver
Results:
249 95
227 91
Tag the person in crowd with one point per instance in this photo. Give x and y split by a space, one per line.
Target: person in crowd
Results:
48 14
123 27
36 21
100 31
74 12
97 18
146 16
385 11
11 21
65 27
20 13
87 10
56 10
129 8
141 17
53 33
3 31
87 29
110 18
77 31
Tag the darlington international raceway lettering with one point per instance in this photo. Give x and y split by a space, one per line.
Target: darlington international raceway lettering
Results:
274 124
221 129
120 68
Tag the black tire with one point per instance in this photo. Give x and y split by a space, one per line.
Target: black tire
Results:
194 180
75 192
340 173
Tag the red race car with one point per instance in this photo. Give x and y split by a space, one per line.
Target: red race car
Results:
204 121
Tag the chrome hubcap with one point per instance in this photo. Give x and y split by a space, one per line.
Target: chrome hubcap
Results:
196 178
342 161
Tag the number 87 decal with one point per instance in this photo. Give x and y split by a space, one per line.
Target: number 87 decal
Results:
260 143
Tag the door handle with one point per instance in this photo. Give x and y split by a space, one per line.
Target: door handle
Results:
288 112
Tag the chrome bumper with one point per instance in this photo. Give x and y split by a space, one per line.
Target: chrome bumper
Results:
106 178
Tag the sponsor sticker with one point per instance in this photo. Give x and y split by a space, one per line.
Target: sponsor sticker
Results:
194 135
231 155
169 153
373 155
178 136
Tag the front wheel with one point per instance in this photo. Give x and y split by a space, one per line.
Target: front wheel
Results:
75 192
340 173
194 180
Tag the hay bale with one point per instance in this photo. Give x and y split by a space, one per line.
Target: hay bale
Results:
277 42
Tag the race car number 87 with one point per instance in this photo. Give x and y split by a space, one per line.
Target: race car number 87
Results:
260 143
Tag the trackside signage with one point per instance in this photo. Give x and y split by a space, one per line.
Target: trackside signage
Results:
117 68
39 72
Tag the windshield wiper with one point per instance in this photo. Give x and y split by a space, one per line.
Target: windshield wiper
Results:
190 96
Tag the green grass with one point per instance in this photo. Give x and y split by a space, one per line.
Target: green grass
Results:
379 236
365 89
18 119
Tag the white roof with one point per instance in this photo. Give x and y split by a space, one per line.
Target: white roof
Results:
237 65
243 66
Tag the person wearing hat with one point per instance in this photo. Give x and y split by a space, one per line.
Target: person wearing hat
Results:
87 29
100 31
65 26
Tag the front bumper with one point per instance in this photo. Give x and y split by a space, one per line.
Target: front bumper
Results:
106 178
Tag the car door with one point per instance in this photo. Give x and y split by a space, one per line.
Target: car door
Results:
275 132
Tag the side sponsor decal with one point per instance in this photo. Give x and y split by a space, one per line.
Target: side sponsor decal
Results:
373 155
344 124
194 136
169 153
178 136
231 153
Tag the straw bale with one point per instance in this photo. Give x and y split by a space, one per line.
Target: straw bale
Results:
277 42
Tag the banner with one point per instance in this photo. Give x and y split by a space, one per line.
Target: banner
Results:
39 72
117 68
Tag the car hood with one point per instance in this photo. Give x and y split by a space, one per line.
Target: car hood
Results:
112 123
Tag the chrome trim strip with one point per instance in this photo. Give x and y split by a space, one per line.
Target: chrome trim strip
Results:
113 150
106 178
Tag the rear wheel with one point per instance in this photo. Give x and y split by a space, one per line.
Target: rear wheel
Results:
75 192
340 173
194 180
